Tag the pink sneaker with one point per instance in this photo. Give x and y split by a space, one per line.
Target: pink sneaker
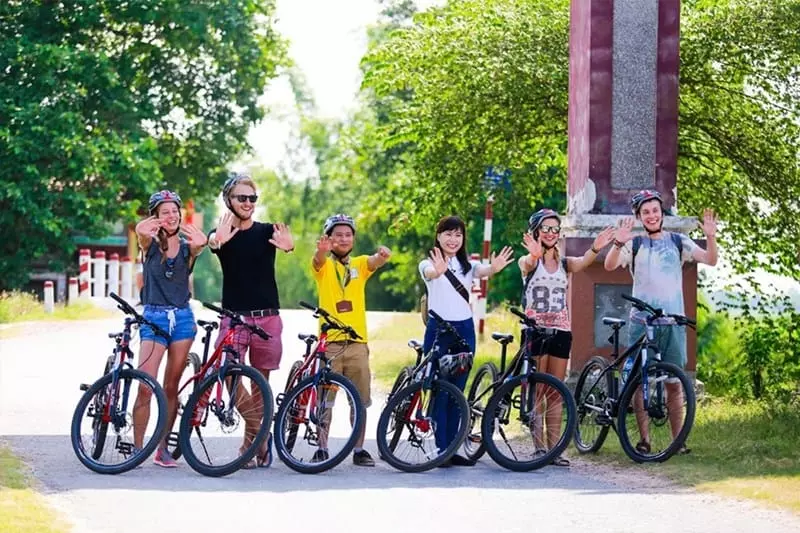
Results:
164 459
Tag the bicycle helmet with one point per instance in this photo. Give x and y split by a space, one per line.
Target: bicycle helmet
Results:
337 220
233 179
455 364
160 197
644 196
536 220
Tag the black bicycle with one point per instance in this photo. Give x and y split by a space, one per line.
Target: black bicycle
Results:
407 425
108 405
530 416
315 430
653 405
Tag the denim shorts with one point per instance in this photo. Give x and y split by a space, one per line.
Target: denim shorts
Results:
177 321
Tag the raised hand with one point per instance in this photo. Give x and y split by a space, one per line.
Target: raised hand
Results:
604 238
624 231
149 227
709 224
384 253
533 246
282 237
438 260
503 259
324 244
194 236
226 228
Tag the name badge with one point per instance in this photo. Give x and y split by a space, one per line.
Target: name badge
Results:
344 306
353 273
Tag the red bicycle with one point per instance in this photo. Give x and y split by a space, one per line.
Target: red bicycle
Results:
227 417
308 404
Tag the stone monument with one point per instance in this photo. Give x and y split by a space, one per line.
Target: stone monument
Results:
623 137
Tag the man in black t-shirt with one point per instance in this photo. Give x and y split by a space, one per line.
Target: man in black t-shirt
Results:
246 252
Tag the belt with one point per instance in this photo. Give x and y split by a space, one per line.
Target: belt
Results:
260 312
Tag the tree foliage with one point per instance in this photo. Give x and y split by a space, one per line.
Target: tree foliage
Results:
486 83
103 102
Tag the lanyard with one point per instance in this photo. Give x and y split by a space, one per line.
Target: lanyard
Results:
342 282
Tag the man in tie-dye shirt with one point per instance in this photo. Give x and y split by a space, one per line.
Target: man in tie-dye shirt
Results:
656 268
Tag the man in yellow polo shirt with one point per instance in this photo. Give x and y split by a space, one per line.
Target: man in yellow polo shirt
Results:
341 282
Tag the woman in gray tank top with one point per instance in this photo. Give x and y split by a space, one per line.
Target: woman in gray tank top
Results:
544 274
168 261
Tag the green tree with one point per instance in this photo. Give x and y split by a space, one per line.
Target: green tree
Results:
103 102
484 82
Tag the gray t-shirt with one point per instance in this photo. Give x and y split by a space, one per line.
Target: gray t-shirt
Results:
658 274
166 283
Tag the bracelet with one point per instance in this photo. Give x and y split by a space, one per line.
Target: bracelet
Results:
290 250
594 251
213 243
618 244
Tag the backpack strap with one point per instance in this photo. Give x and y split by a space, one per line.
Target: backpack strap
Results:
564 264
527 281
676 239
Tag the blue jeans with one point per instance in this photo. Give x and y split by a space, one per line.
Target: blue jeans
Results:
445 410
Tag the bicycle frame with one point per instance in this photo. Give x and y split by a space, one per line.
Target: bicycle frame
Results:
122 357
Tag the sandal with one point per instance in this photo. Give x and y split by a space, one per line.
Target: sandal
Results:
683 450
643 447
561 461
265 460
249 465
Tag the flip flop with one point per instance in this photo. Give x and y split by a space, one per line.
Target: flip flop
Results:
561 461
249 465
265 460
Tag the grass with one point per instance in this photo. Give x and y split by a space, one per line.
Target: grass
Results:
19 306
740 449
22 509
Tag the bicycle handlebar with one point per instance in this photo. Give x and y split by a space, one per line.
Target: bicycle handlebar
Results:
332 321
658 313
236 320
126 308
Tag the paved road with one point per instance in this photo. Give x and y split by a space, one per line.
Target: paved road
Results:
39 374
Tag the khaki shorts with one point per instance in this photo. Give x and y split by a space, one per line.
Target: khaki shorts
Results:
351 359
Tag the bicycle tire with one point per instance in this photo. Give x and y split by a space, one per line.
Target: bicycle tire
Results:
402 380
99 426
487 425
329 378
192 360
475 450
90 460
293 426
596 399
186 427
624 438
402 396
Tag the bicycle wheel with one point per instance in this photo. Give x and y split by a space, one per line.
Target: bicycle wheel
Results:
402 380
478 397
99 425
226 420
108 406
591 396
665 422
330 424
528 422
193 365
412 410
293 427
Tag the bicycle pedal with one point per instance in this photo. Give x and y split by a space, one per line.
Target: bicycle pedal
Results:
125 448
603 420
474 438
172 439
84 387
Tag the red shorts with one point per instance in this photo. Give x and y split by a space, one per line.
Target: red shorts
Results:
264 355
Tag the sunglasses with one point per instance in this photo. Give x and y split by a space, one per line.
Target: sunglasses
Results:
550 229
242 198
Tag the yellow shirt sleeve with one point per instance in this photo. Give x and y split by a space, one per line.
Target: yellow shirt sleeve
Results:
318 274
362 265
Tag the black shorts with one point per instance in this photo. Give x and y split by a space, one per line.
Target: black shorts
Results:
557 343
